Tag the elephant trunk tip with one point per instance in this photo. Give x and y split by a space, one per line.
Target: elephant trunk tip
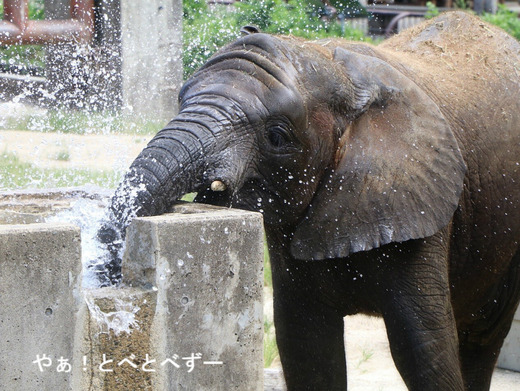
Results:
218 186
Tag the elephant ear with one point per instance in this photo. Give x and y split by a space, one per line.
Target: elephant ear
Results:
398 171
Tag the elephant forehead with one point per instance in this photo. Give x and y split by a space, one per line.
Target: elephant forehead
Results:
256 90
275 61
249 94
270 52
260 52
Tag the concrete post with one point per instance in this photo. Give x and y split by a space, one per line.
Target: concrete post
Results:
205 264
151 36
40 272
489 6
120 353
107 85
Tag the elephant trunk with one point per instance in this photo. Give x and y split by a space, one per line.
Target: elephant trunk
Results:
171 165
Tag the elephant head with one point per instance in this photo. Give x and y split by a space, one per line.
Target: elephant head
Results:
337 148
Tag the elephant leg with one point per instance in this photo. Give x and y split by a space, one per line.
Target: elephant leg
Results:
480 342
419 320
310 341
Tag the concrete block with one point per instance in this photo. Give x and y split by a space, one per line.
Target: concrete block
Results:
40 282
151 36
118 347
510 354
206 265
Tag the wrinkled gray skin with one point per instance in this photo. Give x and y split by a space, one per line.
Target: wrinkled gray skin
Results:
388 179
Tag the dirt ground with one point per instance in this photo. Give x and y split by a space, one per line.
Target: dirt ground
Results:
369 363
55 150
370 366
367 335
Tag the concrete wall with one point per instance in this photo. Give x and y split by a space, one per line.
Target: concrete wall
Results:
192 284
188 316
209 284
39 305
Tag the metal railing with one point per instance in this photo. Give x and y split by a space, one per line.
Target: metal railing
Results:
17 28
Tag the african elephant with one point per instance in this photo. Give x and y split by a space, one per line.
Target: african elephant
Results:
388 177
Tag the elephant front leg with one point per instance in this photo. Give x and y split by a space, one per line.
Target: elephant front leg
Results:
310 342
420 323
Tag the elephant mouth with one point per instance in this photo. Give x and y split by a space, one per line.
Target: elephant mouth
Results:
249 197
254 196
210 195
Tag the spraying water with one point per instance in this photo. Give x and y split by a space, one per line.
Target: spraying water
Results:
87 214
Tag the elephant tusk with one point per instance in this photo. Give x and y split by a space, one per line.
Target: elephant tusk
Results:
218 186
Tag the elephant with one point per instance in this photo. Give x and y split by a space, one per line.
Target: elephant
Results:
388 178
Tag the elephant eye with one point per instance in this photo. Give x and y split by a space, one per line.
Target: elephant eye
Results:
277 136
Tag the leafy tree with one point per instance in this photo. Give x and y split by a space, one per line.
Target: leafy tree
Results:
505 19
206 30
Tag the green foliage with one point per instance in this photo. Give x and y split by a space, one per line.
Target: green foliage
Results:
349 7
505 19
193 9
461 4
300 18
432 12
270 347
36 9
25 59
206 30
203 33
366 355
268 279
278 17
63 156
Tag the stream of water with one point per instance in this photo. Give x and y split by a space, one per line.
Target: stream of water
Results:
86 214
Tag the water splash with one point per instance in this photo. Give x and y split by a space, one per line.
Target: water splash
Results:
121 320
87 215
